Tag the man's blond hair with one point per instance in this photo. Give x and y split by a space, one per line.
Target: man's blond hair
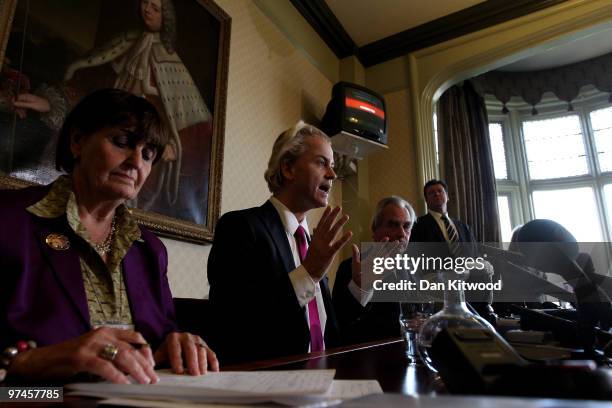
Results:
288 146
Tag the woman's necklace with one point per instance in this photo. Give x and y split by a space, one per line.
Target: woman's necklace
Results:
104 247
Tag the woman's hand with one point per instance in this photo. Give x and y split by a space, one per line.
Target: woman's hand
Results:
32 102
84 355
185 350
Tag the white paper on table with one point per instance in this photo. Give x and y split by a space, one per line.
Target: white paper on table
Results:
295 382
238 387
340 390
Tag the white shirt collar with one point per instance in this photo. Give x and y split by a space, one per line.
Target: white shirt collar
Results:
289 220
437 215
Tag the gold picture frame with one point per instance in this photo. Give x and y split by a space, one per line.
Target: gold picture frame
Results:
184 204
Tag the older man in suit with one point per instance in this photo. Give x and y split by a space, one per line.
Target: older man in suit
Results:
268 284
360 317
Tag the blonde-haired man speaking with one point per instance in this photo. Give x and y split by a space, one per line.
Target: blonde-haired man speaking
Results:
267 275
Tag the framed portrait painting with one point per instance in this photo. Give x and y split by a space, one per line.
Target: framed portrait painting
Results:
174 53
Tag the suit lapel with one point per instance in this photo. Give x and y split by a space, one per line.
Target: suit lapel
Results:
435 228
460 231
331 327
138 294
65 264
274 225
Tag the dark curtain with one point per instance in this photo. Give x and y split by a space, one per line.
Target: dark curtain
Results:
467 163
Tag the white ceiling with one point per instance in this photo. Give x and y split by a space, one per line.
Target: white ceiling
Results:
572 51
367 21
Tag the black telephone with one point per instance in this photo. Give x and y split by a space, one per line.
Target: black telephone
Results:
480 361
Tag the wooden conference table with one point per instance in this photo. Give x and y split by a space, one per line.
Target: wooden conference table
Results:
384 361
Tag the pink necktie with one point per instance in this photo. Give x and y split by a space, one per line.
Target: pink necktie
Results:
316 336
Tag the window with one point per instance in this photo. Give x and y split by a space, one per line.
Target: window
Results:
601 121
497 148
574 208
554 148
505 221
555 165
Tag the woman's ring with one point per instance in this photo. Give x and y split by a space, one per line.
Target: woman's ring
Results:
109 352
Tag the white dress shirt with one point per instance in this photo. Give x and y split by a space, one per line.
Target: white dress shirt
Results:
304 286
360 295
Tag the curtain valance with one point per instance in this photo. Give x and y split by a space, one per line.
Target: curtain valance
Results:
565 82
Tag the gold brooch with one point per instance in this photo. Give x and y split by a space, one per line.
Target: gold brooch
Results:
58 242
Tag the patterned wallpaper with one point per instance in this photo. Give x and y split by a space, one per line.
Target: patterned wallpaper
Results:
393 172
271 86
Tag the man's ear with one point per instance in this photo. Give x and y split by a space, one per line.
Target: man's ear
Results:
287 170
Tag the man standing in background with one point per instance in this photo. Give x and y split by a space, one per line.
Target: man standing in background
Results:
436 225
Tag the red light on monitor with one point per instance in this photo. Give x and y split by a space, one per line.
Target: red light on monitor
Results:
357 104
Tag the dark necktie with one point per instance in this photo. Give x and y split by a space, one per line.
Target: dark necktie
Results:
316 334
451 233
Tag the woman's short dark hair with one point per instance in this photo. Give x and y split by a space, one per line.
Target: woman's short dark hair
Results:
108 108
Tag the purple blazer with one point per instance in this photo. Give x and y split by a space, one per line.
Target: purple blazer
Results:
42 297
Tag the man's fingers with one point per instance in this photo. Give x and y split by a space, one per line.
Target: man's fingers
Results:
390 248
342 241
356 253
324 217
326 224
338 225
356 266
381 249
330 220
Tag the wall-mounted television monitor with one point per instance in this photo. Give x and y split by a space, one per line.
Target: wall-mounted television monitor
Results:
356 110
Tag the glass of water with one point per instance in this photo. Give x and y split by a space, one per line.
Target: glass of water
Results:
412 316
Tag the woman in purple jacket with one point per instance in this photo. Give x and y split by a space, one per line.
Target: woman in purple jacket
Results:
84 288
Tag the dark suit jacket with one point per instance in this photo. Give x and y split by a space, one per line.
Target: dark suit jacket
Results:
42 297
358 324
426 229
256 311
